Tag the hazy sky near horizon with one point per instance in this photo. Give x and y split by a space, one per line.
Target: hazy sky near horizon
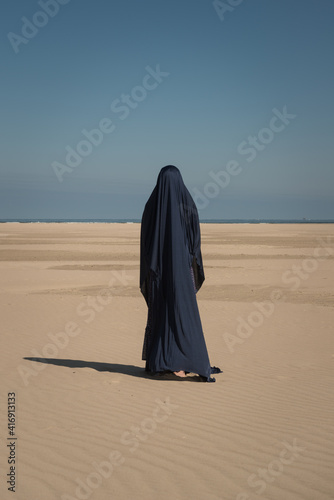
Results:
99 96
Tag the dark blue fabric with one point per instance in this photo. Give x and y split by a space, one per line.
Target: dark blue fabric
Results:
170 245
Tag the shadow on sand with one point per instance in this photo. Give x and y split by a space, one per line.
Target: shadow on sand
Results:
134 371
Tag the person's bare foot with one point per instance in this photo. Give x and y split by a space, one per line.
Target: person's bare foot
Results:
180 373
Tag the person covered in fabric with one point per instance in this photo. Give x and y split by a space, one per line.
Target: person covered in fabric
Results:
171 273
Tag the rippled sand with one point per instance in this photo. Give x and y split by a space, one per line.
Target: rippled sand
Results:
90 424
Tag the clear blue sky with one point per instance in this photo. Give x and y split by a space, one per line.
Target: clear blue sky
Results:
211 110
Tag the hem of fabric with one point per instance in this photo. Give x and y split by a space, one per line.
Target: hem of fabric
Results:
203 378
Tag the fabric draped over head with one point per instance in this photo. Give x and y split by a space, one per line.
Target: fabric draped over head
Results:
170 233
171 271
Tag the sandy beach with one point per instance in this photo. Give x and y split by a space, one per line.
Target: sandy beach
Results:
87 423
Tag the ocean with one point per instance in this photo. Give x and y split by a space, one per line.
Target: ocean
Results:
203 221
